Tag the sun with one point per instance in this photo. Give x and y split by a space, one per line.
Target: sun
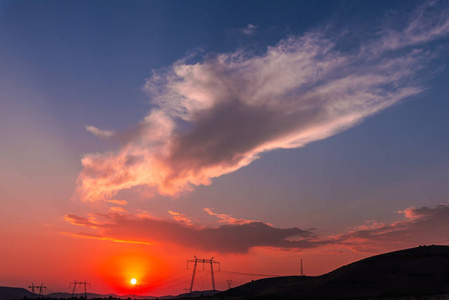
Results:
133 281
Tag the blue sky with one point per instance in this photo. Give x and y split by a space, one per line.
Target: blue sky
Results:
124 67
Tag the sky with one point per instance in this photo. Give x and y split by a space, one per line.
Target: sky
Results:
137 134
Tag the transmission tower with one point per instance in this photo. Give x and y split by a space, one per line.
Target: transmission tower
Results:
135 289
41 289
229 283
301 272
32 287
204 261
80 283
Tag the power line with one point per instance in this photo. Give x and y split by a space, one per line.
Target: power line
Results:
172 281
173 274
251 274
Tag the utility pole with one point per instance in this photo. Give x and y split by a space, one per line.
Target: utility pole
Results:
301 272
204 261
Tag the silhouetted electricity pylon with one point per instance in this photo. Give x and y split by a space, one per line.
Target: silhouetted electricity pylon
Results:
35 287
135 288
204 261
32 287
301 272
229 283
80 283
41 289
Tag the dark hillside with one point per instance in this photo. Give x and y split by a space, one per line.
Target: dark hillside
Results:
264 285
417 271
8 293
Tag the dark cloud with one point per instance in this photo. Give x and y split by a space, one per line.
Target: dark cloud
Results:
230 238
421 226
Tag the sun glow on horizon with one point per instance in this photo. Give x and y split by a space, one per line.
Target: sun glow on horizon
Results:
133 281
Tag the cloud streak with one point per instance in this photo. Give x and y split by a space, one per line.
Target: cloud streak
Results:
218 115
224 218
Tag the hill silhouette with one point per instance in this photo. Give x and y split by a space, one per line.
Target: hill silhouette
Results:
7 293
417 271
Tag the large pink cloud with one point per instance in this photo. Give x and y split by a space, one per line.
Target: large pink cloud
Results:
218 115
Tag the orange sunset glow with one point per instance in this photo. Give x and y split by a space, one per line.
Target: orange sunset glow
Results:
187 148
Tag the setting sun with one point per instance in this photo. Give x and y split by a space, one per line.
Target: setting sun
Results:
133 281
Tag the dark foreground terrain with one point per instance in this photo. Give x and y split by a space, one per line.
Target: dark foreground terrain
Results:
421 271
412 274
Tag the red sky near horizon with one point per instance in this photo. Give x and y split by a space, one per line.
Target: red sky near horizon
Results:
137 135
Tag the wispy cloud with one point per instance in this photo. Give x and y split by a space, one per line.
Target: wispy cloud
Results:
81 221
430 21
224 218
94 237
99 132
229 238
118 202
180 217
249 30
117 209
218 115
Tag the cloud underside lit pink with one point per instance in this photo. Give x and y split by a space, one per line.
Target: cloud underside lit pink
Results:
219 115
230 238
